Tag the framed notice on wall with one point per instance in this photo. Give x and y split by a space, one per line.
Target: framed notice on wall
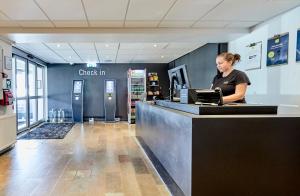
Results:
8 62
277 50
253 56
298 46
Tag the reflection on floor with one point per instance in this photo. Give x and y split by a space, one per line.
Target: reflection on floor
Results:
99 159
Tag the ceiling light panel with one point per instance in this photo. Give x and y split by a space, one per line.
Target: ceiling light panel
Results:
63 10
129 52
121 56
107 46
33 46
190 9
141 46
254 10
183 45
89 58
83 46
86 52
148 10
22 10
105 9
135 46
154 45
59 46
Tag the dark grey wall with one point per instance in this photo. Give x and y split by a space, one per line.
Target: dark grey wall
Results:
201 64
60 77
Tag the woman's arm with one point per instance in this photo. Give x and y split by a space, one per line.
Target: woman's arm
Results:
240 91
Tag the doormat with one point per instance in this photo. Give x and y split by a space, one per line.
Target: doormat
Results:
48 131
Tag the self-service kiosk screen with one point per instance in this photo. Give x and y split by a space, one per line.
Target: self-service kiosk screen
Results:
109 86
77 87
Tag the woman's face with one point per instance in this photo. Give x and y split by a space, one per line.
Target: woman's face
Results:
222 64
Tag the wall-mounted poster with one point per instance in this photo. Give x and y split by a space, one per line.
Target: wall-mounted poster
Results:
298 46
253 56
277 50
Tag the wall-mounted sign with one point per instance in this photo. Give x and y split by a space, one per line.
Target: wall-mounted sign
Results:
8 62
277 50
253 56
298 46
91 72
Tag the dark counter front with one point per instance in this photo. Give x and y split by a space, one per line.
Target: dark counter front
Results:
213 155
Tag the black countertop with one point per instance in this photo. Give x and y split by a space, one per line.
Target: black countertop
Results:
227 109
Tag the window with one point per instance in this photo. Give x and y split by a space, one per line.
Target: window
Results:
29 92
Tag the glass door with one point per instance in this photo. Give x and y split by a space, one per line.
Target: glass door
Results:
40 93
21 93
29 93
32 93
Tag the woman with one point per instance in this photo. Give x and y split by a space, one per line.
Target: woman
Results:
232 82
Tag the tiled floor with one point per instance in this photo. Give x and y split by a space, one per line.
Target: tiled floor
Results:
99 159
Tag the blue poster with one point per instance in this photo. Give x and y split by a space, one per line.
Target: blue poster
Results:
298 46
277 50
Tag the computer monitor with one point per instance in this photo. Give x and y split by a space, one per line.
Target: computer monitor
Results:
178 80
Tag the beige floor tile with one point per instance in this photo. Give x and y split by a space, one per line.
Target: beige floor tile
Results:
100 159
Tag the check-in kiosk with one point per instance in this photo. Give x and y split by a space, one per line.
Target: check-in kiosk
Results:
77 100
110 100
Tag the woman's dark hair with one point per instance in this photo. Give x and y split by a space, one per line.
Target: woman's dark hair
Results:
229 57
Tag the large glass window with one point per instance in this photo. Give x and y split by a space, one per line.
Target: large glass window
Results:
33 111
29 92
40 81
32 79
21 78
40 109
21 114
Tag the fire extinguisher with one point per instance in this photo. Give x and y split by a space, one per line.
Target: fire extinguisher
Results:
7 97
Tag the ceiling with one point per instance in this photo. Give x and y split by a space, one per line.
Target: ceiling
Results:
128 31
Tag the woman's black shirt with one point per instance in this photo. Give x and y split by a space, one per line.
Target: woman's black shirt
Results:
228 83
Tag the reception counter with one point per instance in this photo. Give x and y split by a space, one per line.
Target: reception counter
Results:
213 155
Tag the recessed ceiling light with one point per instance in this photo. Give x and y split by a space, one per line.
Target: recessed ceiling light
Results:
70 57
154 45
58 45
71 63
106 45
162 56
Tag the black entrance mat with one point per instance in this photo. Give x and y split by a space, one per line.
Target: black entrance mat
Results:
49 131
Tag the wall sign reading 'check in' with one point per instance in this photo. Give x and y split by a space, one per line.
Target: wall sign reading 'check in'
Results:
93 72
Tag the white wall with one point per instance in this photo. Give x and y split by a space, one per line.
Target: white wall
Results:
278 85
7 51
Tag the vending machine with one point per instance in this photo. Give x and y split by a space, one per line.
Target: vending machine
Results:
77 100
110 100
